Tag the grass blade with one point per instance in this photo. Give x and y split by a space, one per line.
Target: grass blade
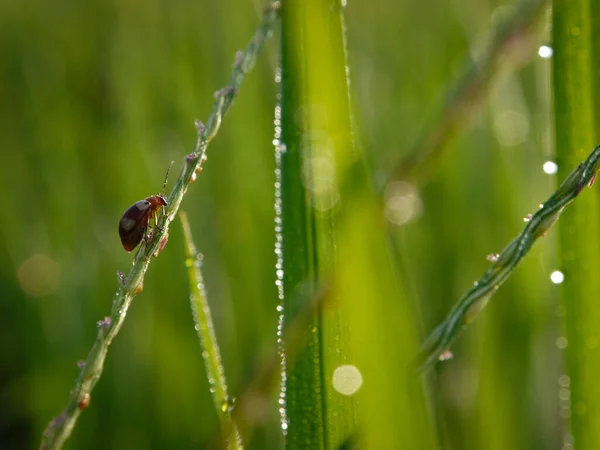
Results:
351 381
208 340
472 302
575 104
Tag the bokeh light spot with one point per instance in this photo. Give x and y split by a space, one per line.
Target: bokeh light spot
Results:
562 342
347 379
39 275
402 203
557 277
550 167
545 52
511 127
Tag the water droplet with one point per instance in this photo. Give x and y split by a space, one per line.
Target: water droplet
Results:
492 257
564 380
446 355
277 79
545 51
557 277
527 218
550 167
228 404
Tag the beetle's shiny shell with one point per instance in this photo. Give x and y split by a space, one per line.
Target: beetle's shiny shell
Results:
135 221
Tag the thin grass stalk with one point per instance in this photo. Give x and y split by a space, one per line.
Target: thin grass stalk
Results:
464 95
61 426
576 103
205 329
437 345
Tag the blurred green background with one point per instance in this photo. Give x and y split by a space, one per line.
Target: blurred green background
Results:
98 98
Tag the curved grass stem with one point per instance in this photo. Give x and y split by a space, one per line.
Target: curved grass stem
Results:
61 426
464 95
470 304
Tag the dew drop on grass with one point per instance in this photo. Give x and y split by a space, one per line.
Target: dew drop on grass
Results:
228 404
550 167
545 51
564 380
446 355
557 277
280 149
492 257
564 394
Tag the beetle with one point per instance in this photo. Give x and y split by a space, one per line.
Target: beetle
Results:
137 218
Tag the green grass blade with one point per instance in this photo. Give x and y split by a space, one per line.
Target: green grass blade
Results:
315 138
208 340
575 43
302 390
351 381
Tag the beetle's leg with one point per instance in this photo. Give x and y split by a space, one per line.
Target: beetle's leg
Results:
150 233
161 229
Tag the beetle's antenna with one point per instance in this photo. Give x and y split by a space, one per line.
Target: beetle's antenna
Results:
166 178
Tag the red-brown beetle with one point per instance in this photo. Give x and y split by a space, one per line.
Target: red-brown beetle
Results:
135 221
